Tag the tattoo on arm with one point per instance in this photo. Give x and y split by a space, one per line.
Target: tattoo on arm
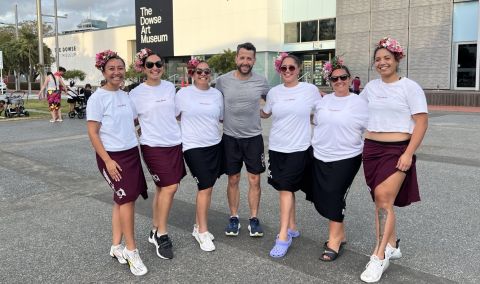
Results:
382 219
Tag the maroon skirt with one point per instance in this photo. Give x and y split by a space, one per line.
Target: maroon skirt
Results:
133 183
165 164
379 163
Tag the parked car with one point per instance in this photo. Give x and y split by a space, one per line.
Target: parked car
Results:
3 88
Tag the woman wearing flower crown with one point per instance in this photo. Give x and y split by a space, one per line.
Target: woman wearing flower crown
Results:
200 111
110 125
290 105
398 120
340 120
161 142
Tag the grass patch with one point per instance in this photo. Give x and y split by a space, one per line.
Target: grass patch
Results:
39 109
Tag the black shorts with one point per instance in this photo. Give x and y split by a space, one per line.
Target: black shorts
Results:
71 101
205 164
287 171
331 182
243 150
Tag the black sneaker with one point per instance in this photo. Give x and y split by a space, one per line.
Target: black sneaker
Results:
164 246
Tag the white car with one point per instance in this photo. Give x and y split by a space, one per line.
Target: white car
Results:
3 88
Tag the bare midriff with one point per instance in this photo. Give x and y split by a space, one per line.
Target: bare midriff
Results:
388 136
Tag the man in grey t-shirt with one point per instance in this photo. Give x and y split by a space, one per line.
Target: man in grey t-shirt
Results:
242 135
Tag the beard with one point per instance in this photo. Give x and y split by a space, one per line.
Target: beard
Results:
239 68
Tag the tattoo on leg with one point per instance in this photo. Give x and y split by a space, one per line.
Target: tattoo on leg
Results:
382 219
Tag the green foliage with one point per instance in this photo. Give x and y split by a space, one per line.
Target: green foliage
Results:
22 54
132 75
224 62
74 74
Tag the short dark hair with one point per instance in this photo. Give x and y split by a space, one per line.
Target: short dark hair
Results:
144 60
88 86
61 69
295 58
247 46
2 101
341 67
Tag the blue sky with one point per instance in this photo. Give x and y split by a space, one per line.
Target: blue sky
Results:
115 12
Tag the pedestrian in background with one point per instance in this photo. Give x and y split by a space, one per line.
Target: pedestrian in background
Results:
356 85
398 120
54 87
110 125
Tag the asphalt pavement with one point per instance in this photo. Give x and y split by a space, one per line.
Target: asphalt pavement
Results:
55 212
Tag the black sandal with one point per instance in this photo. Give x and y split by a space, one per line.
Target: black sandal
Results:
330 253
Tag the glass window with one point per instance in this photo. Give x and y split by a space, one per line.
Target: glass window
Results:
309 31
292 32
327 29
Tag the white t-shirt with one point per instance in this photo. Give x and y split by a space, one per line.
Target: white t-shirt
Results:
391 105
155 106
291 109
201 112
339 125
115 111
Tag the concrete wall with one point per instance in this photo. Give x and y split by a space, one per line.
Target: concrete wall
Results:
209 29
77 50
423 27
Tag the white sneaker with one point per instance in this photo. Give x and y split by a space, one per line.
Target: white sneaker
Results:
135 262
116 252
374 269
195 232
393 253
205 241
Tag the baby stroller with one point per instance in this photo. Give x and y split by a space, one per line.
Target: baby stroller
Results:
77 98
15 105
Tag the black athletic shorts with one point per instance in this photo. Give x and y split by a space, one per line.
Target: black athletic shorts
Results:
287 171
331 183
243 150
205 164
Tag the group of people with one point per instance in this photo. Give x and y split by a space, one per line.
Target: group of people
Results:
382 127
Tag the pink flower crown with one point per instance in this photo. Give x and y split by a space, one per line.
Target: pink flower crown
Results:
140 58
192 65
277 63
329 66
393 46
101 58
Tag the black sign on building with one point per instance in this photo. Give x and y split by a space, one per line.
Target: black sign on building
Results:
154 26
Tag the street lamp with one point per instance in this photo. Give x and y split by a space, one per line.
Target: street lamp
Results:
57 64
40 34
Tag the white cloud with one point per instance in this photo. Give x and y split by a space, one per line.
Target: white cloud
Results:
115 12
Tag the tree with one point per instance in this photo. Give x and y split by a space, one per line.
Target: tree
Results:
132 75
21 54
224 62
74 74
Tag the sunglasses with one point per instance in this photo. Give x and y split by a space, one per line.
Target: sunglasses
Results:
149 64
342 77
290 68
203 71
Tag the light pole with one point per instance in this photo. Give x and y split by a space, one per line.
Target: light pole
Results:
40 39
57 64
